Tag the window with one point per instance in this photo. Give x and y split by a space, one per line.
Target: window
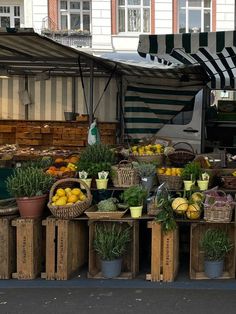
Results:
10 16
134 16
75 15
194 16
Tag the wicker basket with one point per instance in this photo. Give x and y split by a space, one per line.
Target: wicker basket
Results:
69 211
181 156
157 158
124 174
172 182
152 209
93 213
221 210
229 182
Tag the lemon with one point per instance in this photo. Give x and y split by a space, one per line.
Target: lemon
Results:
76 191
72 198
82 197
68 190
53 204
55 198
70 204
61 201
60 192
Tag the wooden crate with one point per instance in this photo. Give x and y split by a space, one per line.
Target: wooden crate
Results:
164 253
197 255
7 247
66 247
28 248
130 263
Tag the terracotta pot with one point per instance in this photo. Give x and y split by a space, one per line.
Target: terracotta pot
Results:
31 207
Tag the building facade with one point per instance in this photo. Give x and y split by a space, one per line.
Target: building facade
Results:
114 25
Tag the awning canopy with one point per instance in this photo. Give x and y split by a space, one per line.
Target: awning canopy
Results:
215 52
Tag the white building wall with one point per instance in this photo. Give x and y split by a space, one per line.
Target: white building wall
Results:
101 25
163 17
28 13
225 15
39 12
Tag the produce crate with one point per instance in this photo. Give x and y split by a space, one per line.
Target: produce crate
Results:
28 248
130 263
7 247
197 254
66 247
164 253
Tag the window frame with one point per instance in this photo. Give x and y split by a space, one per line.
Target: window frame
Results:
67 12
11 14
126 7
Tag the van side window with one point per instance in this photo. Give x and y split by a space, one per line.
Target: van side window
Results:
182 118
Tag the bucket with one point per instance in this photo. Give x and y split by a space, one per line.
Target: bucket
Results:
69 116
136 211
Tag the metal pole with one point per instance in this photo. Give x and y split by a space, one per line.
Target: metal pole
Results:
26 106
73 94
91 93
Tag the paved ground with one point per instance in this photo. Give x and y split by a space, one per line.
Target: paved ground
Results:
116 300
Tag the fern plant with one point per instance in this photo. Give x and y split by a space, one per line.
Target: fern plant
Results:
29 182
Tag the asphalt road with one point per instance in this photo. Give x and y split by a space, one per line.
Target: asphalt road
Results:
116 300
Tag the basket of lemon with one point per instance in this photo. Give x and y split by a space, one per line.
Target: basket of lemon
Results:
148 153
172 177
67 202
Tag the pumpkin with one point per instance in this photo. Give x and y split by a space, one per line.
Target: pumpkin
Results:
180 205
197 197
193 211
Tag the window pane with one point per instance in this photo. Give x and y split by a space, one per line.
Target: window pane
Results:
121 2
182 4
74 5
207 21
194 3
5 21
74 21
146 20
86 5
63 5
6 9
134 2
207 3
182 21
146 3
17 11
194 21
134 20
1 9
64 24
17 22
121 20
86 22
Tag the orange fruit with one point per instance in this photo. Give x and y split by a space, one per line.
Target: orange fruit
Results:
52 168
73 159
62 169
59 160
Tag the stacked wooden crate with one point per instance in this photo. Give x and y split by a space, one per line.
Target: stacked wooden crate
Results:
7 134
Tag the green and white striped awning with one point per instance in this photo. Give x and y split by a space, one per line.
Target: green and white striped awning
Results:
214 51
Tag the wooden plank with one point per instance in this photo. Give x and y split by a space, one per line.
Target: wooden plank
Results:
29 248
196 270
7 248
155 251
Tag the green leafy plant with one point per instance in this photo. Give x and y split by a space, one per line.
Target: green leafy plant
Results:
111 240
108 205
216 244
28 182
191 171
145 169
42 163
166 215
134 195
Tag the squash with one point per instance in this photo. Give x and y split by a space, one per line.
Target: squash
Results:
180 205
193 211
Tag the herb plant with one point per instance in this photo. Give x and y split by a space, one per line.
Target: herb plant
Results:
166 215
111 240
191 171
145 169
134 195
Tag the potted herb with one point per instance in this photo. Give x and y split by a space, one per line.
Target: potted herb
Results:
203 181
30 187
190 173
135 196
110 243
102 180
83 175
147 173
216 244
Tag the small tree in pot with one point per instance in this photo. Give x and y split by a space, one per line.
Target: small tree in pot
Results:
146 172
216 244
110 242
30 187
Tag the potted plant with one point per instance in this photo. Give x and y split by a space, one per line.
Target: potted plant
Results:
110 243
203 181
147 173
83 175
30 187
102 180
216 244
135 196
190 173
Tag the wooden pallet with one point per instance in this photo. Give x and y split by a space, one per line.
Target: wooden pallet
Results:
196 270
66 247
28 248
7 247
164 253
130 263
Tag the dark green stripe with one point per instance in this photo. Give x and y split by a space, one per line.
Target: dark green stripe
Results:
203 39
186 42
157 101
141 131
162 91
153 44
155 111
146 120
169 43
220 41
